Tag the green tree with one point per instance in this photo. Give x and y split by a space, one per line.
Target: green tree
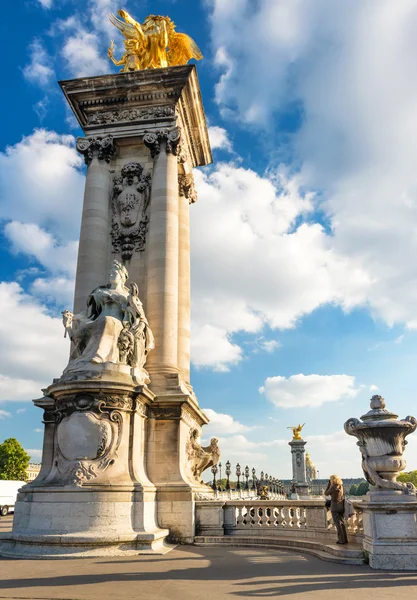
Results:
363 488
410 477
13 460
353 490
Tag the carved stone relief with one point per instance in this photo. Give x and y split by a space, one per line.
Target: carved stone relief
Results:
186 187
134 114
131 195
171 138
102 148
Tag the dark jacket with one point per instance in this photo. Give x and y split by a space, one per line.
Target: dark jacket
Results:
337 496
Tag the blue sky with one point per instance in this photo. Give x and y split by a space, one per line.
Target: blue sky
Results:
304 237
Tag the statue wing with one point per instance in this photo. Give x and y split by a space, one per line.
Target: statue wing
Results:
128 30
181 49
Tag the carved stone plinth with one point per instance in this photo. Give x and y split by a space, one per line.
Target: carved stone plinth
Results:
390 531
92 496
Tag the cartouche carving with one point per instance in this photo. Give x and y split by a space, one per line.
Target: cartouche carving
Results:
131 195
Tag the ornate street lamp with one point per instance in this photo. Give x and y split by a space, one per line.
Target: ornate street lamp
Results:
238 473
220 475
253 479
247 477
214 471
228 471
262 477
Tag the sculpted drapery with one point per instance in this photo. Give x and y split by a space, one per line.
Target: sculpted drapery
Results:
112 329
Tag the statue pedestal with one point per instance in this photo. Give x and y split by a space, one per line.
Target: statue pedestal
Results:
390 530
170 463
92 496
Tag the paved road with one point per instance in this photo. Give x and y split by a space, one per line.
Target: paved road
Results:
191 573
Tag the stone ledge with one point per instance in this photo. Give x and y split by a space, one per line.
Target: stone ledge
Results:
320 548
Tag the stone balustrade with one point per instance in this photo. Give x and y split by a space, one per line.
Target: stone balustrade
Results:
284 518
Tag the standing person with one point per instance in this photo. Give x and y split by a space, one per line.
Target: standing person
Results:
337 506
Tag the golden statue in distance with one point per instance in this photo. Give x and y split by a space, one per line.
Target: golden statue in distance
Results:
296 432
154 44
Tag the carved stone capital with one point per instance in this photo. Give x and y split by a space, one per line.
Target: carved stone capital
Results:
186 187
171 138
102 148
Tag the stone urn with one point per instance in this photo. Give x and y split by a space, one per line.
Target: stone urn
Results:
381 440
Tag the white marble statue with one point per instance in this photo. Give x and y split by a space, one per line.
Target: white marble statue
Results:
112 329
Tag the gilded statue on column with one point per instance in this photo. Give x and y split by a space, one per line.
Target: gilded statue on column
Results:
154 44
296 431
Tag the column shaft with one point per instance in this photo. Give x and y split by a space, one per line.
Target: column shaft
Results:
184 289
92 253
162 284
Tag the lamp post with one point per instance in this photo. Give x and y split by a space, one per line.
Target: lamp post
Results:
228 471
214 471
238 473
220 474
247 477
253 479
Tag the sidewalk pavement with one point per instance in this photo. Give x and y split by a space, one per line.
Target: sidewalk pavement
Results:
192 573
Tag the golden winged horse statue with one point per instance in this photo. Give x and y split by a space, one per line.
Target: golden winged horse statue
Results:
154 44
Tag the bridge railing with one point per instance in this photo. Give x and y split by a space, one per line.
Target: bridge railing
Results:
287 518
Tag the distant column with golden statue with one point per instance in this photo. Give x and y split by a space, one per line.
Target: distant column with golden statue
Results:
299 475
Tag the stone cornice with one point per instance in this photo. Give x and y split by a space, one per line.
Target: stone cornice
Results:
127 104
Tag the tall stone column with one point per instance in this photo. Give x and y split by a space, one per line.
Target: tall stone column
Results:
162 283
187 195
92 262
299 466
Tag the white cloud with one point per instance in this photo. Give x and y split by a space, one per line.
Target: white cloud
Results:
38 430
373 388
4 414
308 390
20 411
348 69
54 289
223 424
46 3
263 345
40 180
32 348
83 55
254 261
219 138
30 239
38 71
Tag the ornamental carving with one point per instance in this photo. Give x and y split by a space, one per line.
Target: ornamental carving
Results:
87 444
86 402
102 148
186 187
199 457
171 139
134 114
131 195
163 412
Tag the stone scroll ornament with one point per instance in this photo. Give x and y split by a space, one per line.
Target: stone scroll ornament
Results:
171 138
102 148
381 440
112 330
130 201
201 458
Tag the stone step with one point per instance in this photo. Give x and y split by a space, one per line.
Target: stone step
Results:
351 555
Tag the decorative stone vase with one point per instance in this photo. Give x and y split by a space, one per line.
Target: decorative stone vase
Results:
381 440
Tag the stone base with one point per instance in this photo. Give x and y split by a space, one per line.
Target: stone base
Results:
390 531
83 545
